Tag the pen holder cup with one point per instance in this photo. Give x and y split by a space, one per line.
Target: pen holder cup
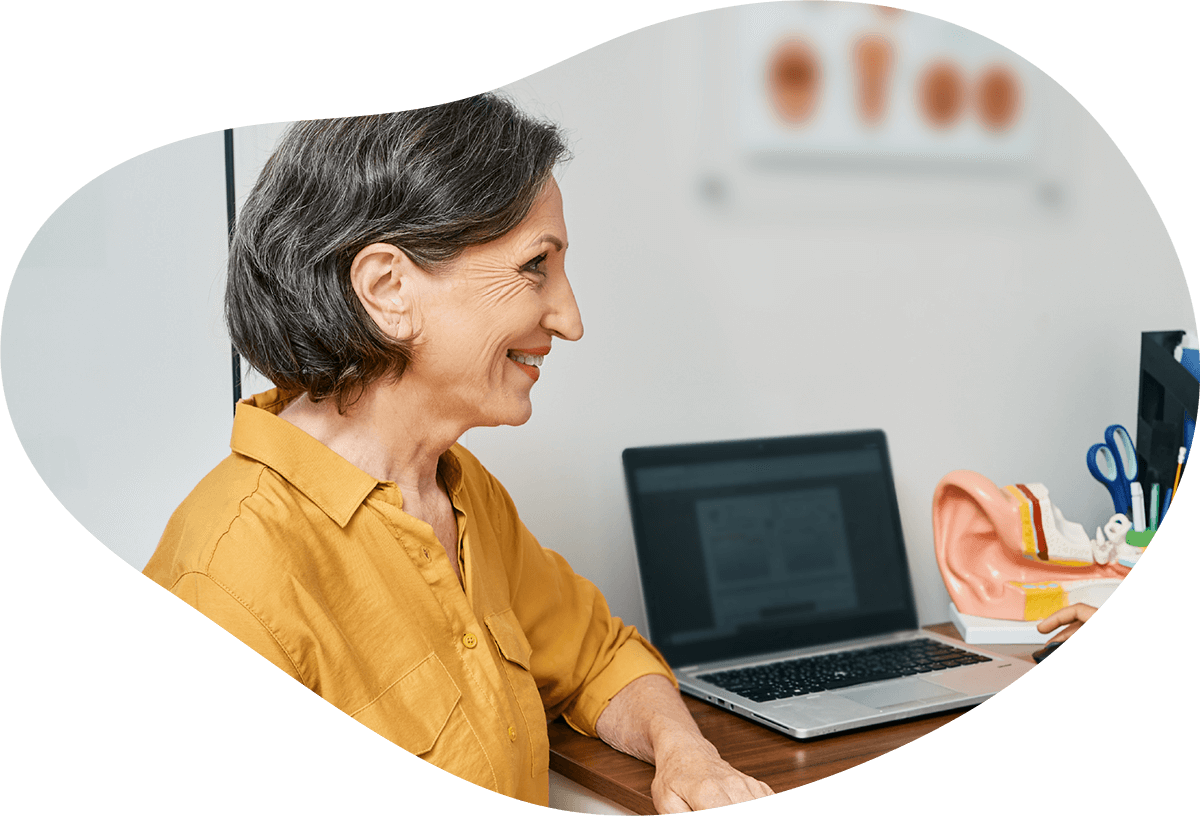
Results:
1136 538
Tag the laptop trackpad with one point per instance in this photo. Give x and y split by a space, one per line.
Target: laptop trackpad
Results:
900 692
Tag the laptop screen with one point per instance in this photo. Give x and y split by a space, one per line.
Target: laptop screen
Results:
757 546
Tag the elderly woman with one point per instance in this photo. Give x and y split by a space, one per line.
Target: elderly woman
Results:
401 279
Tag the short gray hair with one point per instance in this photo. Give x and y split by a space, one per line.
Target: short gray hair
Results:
431 182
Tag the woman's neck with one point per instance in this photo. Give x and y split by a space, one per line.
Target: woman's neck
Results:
382 434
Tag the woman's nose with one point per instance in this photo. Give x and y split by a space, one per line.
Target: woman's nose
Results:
562 314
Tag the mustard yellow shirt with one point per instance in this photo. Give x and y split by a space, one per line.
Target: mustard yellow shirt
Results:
315 565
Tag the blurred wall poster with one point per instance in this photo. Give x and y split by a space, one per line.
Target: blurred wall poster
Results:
853 80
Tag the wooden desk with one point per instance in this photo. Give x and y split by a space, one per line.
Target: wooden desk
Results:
781 762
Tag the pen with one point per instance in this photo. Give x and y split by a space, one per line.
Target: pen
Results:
1179 468
1139 506
1154 507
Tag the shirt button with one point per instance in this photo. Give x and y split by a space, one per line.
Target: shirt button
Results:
425 552
469 640
512 734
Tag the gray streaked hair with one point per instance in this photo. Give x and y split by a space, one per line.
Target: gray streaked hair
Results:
431 182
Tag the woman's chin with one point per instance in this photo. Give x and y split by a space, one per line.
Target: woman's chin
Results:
515 414
522 416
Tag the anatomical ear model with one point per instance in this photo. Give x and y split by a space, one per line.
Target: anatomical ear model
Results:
1008 553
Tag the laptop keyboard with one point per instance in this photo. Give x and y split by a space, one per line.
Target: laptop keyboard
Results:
792 678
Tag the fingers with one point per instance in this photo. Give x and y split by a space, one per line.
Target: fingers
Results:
689 774
1068 614
670 802
1049 624
759 789
724 787
1065 633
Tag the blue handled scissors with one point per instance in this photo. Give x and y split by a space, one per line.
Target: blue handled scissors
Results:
1114 464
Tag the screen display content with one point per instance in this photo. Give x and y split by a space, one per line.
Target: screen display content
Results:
751 546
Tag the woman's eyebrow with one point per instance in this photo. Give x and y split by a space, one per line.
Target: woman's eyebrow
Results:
549 237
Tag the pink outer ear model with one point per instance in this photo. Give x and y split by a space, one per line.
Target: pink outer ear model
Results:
978 539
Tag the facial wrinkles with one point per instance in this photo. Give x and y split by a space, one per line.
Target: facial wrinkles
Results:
500 296
491 303
499 287
484 308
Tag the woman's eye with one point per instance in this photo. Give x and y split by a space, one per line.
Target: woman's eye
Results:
535 265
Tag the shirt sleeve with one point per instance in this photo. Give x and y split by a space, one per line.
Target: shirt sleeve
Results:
611 656
581 654
219 605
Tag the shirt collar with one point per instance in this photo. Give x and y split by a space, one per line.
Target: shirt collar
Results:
327 479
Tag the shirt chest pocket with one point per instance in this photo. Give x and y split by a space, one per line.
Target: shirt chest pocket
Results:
420 712
515 649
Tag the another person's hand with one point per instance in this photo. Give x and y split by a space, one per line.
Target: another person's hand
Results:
1073 617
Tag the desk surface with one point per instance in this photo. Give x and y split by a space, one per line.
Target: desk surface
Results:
780 761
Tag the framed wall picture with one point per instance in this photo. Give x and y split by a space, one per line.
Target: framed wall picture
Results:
863 82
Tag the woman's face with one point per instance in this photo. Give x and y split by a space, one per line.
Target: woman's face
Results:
485 324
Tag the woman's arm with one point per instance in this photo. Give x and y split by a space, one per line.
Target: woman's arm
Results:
647 719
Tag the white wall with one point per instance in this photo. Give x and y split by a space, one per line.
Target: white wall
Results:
115 362
979 325
966 314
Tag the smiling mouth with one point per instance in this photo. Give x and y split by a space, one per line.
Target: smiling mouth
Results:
528 361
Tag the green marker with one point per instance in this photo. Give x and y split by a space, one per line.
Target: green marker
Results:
1153 507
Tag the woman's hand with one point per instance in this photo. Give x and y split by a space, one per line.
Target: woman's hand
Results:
647 719
690 775
1073 617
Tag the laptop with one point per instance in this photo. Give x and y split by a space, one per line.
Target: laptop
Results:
777 586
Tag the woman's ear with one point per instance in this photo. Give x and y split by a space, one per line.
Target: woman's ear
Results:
384 279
